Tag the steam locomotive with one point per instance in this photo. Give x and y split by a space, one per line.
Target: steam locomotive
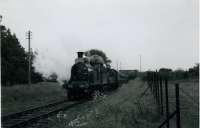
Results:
90 74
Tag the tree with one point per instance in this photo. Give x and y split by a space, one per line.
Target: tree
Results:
179 73
165 72
194 71
99 53
14 60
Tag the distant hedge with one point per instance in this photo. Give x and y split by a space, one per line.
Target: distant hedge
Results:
192 72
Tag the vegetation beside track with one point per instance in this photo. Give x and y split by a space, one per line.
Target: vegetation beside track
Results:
189 102
127 108
22 97
121 108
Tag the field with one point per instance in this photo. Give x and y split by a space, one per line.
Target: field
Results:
21 97
189 102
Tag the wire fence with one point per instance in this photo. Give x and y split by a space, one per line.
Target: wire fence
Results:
159 88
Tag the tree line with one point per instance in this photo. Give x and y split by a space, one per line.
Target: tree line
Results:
14 61
192 72
178 74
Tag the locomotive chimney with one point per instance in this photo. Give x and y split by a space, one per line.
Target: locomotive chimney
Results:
80 54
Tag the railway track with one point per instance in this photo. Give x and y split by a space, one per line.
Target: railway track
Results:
31 116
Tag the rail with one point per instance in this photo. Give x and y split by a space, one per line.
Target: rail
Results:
28 117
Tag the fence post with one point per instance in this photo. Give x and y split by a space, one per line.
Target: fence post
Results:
153 83
158 90
161 95
156 85
167 105
178 124
151 78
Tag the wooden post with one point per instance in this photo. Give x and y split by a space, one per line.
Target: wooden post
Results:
158 90
154 83
178 124
151 80
157 84
167 102
161 96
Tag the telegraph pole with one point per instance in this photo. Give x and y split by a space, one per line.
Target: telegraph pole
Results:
29 56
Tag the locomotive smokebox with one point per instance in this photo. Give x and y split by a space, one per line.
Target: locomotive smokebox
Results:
80 54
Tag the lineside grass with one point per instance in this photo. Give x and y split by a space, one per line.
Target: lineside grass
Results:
189 102
120 109
21 97
124 109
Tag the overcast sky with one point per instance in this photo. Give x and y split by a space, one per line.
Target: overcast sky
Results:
163 32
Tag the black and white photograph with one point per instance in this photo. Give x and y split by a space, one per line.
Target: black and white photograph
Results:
99 63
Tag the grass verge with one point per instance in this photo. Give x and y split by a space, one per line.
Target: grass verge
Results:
121 109
21 97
